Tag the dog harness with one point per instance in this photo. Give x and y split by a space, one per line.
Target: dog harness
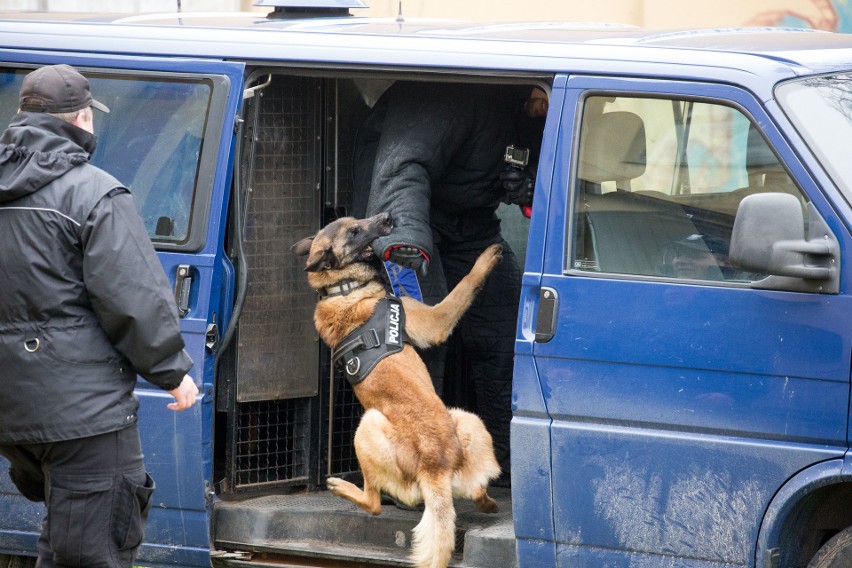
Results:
381 335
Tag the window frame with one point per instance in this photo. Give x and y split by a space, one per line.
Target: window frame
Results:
733 97
197 228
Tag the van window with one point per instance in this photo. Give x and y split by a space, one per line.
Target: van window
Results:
150 141
821 109
658 185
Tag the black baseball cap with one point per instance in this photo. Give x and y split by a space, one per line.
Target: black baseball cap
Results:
57 89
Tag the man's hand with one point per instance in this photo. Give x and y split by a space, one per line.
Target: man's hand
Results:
184 395
518 185
408 256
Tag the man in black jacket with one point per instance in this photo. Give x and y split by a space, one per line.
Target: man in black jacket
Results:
85 307
432 155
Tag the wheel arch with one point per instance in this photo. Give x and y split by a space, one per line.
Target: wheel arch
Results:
809 509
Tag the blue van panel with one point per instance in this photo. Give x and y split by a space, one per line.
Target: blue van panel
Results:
20 520
536 553
667 493
679 373
164 555
571 556
531 478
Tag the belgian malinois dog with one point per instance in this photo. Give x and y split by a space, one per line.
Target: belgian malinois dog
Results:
408 444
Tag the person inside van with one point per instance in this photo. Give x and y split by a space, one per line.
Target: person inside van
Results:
435 157
700 257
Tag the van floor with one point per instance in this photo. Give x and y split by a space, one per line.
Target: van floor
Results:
321 529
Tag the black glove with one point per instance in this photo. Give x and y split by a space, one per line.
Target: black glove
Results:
518 185
408 257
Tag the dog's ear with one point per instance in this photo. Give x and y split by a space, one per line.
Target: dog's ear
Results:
303 247
321 260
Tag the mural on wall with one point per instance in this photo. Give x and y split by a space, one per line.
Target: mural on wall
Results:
829 15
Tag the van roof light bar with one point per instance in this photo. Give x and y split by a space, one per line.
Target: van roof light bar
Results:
309 8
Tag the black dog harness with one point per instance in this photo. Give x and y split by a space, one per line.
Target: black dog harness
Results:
381 335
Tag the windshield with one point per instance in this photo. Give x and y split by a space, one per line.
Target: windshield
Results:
151 141
821 110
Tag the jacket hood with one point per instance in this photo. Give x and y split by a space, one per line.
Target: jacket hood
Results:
36 149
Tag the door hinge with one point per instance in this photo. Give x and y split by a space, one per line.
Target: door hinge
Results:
211 336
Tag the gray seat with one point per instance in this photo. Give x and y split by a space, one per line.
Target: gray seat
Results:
624 232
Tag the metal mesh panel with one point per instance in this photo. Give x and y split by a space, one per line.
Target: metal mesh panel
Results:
346 414
346 110
277 355
272 442
292 138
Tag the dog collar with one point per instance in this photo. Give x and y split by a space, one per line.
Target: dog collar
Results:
342 288
381 335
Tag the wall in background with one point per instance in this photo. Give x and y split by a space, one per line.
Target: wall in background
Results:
833 15
122 6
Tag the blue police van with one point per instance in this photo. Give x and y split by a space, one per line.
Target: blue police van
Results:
681 391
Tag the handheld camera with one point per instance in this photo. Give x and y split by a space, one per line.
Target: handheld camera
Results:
517 157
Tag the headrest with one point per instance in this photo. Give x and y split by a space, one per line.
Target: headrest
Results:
612 147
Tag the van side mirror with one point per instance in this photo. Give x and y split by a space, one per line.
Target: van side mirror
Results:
769 238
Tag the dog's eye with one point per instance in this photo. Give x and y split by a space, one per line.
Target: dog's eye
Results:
354 231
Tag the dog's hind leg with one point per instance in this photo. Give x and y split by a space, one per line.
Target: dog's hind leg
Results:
483 501
479 465
377 457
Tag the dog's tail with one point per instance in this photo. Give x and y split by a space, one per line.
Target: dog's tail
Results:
435 534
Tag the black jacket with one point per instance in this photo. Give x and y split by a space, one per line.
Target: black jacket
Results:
431 154
84 302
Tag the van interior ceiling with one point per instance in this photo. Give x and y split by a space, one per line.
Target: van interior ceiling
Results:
285 418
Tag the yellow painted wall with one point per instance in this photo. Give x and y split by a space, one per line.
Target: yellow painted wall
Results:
835 15
620 11
818 14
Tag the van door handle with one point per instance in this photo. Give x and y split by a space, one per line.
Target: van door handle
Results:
183 285
545 321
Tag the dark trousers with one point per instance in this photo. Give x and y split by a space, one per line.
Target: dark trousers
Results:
97 494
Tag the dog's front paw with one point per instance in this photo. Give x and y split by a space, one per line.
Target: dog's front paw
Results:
489 258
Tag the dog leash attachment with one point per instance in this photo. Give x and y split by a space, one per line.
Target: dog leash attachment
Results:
380 336
348 352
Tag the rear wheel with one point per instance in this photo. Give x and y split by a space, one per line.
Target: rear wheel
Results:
836 553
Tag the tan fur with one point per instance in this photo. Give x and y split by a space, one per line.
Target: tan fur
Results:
409 445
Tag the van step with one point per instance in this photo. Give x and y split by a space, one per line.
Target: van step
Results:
321 529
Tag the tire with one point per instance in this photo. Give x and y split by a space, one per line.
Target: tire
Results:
836 553
10 561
